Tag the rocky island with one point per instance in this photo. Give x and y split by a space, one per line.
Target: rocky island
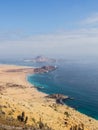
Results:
41 59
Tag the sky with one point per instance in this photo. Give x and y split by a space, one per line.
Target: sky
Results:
64 28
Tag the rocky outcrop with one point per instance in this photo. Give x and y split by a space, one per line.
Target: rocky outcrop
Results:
60 98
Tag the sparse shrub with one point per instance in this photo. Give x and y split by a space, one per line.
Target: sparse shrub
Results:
22 118
26 119
41 125
67 114
33 120
77 127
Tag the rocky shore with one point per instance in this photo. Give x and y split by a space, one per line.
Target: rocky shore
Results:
59 98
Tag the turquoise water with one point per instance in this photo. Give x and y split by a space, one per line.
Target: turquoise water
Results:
76 80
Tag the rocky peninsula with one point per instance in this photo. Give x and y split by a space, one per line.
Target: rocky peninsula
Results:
59 98
45 69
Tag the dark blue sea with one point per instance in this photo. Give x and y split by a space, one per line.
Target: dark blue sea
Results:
75 78
78 80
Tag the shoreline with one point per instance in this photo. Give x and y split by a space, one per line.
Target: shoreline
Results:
21 96
63 102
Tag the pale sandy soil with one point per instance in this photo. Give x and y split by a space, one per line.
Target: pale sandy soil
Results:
17 95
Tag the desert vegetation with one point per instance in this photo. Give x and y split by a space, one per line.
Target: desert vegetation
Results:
20 123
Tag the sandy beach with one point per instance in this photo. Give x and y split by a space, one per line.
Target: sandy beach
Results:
18 95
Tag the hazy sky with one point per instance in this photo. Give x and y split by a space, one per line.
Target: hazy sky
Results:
68 28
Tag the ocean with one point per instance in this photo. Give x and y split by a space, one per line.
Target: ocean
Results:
76 78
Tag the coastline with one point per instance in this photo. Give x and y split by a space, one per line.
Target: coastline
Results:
25 97
44 86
